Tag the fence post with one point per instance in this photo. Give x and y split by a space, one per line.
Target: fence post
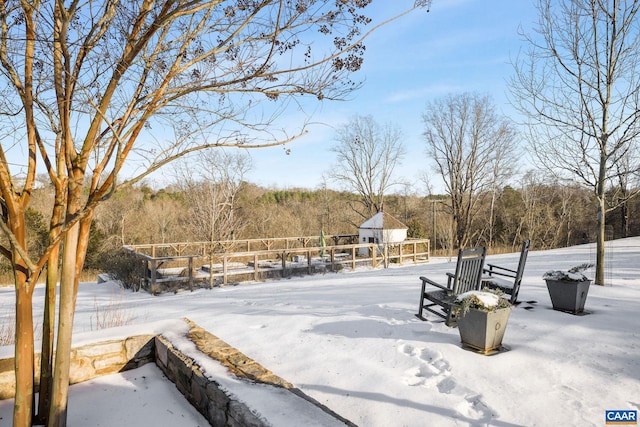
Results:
373 252
255 267
333 253
145 275
385 254
153 277
224 270
284 263
353 258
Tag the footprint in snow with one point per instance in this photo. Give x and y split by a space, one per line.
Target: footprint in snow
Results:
433 371
431 365
473 407
471 404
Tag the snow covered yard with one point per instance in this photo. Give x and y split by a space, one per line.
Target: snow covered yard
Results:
351 341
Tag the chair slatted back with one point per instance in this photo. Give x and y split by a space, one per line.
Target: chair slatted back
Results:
469 270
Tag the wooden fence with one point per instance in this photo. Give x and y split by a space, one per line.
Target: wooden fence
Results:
169 267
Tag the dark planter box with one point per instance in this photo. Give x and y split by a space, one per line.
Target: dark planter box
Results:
483 330
568 296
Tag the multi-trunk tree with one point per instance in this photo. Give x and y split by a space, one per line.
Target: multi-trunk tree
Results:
98 95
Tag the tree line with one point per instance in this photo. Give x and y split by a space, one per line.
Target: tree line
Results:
548 213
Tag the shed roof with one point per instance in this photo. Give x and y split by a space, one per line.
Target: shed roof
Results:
383 221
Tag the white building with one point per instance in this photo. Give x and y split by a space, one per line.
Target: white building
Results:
380 229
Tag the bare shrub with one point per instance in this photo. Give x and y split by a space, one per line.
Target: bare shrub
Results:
126 268
111 315
7 329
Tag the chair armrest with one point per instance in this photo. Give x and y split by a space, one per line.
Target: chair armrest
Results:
498 274
432 283
503 271
450 278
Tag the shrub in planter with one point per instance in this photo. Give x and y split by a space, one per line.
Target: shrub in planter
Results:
568 290
482 319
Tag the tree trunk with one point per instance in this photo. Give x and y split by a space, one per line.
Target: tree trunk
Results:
624 220
48 321
599 280
60 390
24 342
48 329
491 209
24 359
601 216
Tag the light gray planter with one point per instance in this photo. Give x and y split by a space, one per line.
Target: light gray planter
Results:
568 296
483 330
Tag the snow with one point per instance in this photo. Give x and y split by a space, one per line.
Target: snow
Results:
351 341
487 299
565 275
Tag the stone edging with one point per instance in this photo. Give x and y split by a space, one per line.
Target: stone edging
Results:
211 399
244 367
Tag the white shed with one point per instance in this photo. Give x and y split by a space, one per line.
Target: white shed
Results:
380 229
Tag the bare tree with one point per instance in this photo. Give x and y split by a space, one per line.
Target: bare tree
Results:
579 86
112 217
367 155
97 89
163 217
211 182
473 149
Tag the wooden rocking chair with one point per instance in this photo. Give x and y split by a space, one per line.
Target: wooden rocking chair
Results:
505 279
438 299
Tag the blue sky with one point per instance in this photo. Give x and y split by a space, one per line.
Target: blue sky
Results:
459 46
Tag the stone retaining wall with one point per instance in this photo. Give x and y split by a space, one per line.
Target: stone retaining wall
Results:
204 393
90 361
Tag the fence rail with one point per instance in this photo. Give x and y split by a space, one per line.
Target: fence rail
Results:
245 245
175 269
